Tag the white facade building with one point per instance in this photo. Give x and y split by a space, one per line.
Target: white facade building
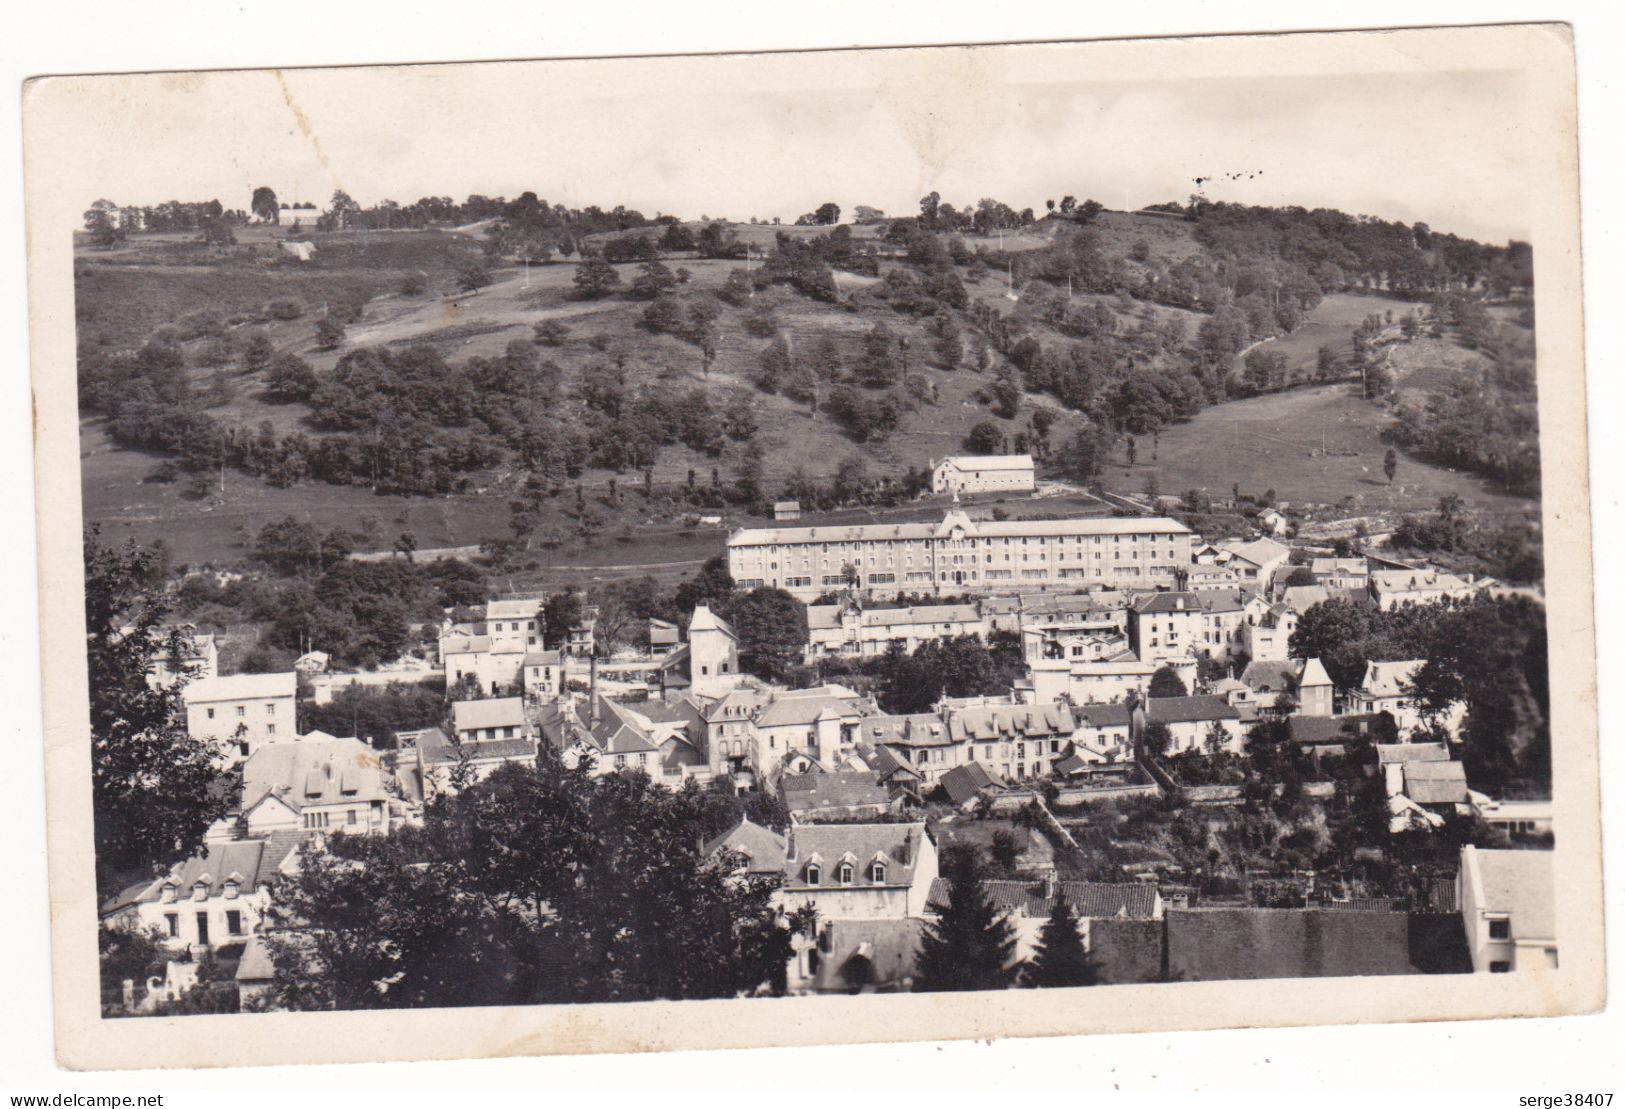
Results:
961 555
992 473
243 710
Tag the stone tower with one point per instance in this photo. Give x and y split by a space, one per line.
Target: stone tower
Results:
713 654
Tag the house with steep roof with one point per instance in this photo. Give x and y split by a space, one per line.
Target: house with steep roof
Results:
834 795
1508 909
997 473
713 654
761 849
853 631
859 871
1386 687
1017 741
920 741
1301 682
1166 625
664 637
1255 562
1426 586
1190 721
242 711
966 785
315 784
210 900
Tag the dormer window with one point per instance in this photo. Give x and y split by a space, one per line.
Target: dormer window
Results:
229 890
878 872
844 874
167 895
200 891
814 873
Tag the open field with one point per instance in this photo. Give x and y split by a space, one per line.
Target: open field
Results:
1274 442
1332 324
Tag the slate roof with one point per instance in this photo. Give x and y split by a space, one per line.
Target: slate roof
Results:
1258 552
841 789
1091 900
495 712
1436 783
248 862
828 617
1326 729
315 770
1271 677
806 706
544 658
897 846
1164 603
465 645
763 847
513 608
965 783
992 722
920 729
1102 716
1171 710
703 619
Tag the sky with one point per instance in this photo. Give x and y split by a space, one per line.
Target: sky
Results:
768 136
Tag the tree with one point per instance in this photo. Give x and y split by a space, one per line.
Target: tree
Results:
984 438
561 612
155 789
1301 575
1157 740
1390 464
264 205
1165 682
772 630
1059 957
595 278
654 279
473 277
1086 454
827 213
970 943
329 332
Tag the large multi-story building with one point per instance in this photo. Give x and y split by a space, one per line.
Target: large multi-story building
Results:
242 711
961 555
995 473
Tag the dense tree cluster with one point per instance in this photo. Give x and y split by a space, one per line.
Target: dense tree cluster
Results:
538 885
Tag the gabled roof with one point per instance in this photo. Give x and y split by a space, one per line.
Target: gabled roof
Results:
1312 673
1163 603
841 789
465 645
1389 679
1436 783
896 846
1258 552
315 770
763 847
975 462
805 706
544 658
704 620
1172 710
513 608
1276 676
240 687
965 783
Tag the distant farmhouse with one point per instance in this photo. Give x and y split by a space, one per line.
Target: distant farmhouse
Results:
996 473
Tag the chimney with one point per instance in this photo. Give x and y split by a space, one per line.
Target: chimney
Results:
790 844
1050 884
906 857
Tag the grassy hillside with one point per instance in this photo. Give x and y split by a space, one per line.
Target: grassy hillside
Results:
157 286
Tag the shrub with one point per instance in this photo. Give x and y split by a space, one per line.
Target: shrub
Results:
285 309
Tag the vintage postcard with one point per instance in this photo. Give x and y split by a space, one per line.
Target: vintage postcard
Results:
684 552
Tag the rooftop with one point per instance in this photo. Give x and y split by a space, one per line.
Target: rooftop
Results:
1518 883
857 533
895 846
315 770
990 461
842 789
1170 710
240 687
1091 900
494 712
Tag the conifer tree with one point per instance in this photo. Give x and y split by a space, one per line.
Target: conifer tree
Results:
969 945
1059 958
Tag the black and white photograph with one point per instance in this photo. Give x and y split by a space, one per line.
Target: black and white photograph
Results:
815 533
